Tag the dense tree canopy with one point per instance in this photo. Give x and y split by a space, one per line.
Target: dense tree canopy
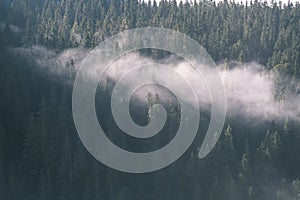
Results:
256 31
41 156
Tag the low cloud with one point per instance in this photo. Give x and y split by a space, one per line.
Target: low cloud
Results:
251 91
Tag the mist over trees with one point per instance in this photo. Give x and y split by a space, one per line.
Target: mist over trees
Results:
256 31
41 156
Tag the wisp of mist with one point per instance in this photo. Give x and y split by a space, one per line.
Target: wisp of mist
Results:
250 89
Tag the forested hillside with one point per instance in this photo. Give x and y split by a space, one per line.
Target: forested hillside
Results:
255 31
41 156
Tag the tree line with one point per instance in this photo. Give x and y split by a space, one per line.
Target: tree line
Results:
41 156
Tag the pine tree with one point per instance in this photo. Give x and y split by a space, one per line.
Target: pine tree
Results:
7 35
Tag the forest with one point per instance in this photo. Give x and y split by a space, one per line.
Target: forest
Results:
41 155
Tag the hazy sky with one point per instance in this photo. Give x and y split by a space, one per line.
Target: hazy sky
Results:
244 1
283 1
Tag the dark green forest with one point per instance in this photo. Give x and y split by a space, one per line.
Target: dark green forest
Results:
41 155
